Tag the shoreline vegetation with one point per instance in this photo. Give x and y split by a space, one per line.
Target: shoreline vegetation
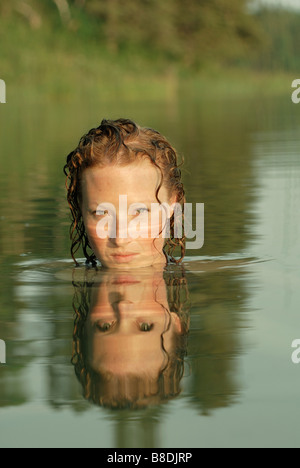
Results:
68 53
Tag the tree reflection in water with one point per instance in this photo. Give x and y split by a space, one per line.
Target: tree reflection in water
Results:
137 335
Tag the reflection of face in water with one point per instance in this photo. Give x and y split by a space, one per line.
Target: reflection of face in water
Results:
132 345
126 325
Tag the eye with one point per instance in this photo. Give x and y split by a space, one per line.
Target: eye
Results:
104 326
146 327
136 209
100 212
140 210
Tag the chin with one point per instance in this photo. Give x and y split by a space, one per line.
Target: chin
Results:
128 266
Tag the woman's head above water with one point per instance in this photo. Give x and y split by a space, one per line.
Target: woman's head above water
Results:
115 176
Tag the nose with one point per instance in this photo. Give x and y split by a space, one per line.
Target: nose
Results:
121 236
125 309
121 306
126 320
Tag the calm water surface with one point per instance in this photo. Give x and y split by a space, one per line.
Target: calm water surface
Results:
222 376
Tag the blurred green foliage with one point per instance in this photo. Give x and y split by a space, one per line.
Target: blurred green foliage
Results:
192 32
189 31
282 39
60 46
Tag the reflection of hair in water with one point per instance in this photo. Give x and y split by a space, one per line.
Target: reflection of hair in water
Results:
132 390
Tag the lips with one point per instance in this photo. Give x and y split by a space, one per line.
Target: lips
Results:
124 258
125 279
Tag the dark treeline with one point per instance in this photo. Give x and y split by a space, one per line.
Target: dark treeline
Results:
191 32
282 39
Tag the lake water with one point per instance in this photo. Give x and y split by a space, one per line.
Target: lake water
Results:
228 379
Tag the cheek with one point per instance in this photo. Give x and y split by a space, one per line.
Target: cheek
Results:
91 231
150 229
95 242
90 228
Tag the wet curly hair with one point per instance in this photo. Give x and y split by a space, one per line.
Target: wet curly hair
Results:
122 142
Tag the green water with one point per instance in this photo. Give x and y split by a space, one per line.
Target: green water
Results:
235 384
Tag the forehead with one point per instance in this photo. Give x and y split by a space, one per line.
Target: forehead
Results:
139 179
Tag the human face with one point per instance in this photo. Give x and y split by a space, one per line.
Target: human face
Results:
102 185
128 316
